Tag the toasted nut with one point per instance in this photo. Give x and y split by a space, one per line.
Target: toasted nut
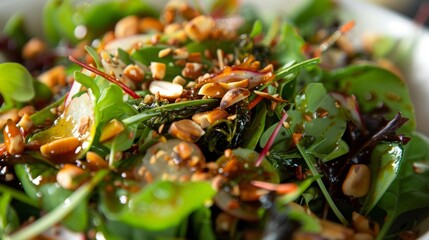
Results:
25 123
158 70
225 223
54 78
171 28
164 52
134 72
166 89
33 48
60 146
179 80
150 24
233 96
192 70
331 230
205 119
357 181
363 236
363 225
127 26
111 129
214 90
11 114
12 138
183 149
27 110
95 161
199 28
186 130
274 98
180 53
236 84
67 176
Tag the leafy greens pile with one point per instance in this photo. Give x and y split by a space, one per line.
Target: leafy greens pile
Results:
260 141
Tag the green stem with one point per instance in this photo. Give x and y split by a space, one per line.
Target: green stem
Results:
156 111
20 196
53 217
309 161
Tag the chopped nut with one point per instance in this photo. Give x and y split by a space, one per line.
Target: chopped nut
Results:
12 138
11 114
186 130
166 89
180 53
233 96
127 26
54 78
364 225
199 28
111 129
67 176
205 119
33 48
183 150
158 70
150 24
60 146
95 162
164 52
179 80
134 72
25 123
214 90
192 70
357 181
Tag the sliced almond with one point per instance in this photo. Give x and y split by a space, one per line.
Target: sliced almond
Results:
166 89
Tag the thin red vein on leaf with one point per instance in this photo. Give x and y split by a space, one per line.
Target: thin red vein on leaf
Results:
107 77
270 140
279 188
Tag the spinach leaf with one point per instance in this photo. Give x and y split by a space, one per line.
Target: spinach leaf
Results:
8 217
409 191
164 204
385 163
290 45
16 84
375 87
53 195
321 123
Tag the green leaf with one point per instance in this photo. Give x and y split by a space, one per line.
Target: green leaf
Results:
289 46
201 224
87 82
16 83
93 53
14 28
318 119
165 204
57 214
256 29
111 105
385 163
45 115
48 21
409 191
375 87
64 21
256 128
77 220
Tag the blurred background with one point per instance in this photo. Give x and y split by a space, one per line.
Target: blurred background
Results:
413 9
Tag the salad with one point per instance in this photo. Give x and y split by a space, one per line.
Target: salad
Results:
204 122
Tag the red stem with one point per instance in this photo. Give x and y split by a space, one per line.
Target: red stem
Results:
107 77
270 140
